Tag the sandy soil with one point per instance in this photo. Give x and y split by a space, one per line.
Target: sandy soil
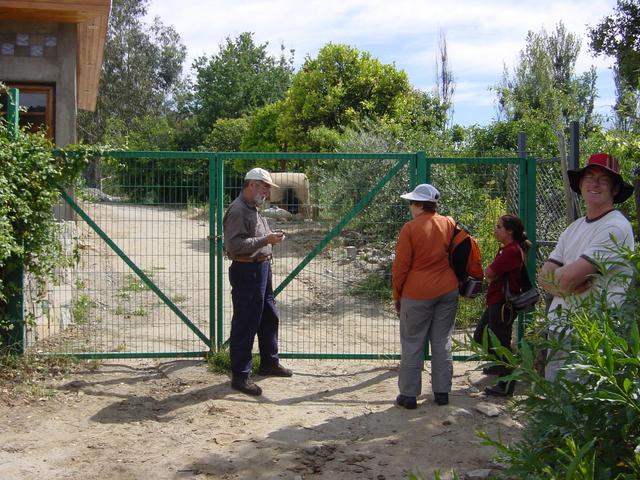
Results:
161 419
176 420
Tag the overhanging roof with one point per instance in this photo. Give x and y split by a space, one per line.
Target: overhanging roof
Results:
91 18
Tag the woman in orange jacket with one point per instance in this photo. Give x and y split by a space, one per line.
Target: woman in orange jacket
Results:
425 292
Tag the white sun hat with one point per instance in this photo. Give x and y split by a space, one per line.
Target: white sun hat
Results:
423 193
260 174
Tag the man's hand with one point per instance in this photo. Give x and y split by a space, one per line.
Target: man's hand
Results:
276 237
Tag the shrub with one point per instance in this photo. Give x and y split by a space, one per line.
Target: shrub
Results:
587 428
30 180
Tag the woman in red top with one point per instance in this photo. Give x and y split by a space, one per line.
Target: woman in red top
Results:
498 316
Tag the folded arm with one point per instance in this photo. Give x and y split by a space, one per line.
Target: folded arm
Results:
561 280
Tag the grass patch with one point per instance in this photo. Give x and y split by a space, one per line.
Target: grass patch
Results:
220 361
469 311
133 284
374 287
179 298
81 308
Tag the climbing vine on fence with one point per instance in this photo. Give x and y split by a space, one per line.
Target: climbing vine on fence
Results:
31 175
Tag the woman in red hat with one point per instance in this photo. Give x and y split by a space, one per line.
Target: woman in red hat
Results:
573 268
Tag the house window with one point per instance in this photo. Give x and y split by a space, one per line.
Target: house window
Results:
36 105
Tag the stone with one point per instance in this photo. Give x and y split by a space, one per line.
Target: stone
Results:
488 409
479 474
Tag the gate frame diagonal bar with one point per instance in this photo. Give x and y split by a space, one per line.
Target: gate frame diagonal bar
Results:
143 276
357 208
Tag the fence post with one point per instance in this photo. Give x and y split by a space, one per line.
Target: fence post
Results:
213 252
574 159
423 170
13 270
219 247
527 212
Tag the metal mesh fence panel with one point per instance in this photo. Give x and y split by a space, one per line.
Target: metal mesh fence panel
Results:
476 192
151 210
339 303
551 209
141 279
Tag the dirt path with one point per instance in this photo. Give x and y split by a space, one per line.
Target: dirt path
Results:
175 420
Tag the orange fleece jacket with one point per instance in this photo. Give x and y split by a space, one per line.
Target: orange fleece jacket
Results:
421 268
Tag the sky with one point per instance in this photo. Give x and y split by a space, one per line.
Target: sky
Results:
483 36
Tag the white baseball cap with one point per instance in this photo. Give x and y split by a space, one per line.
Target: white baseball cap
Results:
260 174
423 193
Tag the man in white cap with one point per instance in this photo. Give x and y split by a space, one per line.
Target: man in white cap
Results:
248 242
573 268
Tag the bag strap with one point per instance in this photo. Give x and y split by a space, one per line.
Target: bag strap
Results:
453 234
525 281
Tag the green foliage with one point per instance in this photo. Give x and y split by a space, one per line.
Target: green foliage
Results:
375 286
146 133
156 180
618 35
586 423
340 86
141 71
241 78
81 309
220 361
543 84
260 135
30 177
226 135
501 137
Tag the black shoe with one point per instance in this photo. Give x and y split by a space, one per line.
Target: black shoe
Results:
492 370
275 371
246 385
441 398
407 402
501 389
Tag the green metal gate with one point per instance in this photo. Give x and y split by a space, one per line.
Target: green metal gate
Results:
148 277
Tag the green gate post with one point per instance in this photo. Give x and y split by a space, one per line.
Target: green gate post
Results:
423 168
213 184
219 247
527 212
13 272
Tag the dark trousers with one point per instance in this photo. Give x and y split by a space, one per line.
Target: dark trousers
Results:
254 312
499 319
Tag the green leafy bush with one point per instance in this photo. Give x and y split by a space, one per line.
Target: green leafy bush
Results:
30 180
587 428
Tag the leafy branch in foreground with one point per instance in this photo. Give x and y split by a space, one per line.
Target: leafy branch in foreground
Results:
586 423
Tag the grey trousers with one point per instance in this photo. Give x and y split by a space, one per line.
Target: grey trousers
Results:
421 320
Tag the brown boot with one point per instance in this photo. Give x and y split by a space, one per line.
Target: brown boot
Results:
246 385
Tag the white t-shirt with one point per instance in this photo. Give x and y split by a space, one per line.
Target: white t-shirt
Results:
592 240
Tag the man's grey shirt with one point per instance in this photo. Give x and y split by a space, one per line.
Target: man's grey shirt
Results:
245 231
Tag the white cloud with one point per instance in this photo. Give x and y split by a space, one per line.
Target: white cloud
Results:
481 36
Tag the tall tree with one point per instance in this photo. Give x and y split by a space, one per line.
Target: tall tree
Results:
618 36
544 84
444 77
239 79
141 70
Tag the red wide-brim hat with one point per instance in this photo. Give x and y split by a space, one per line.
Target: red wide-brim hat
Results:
610 164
